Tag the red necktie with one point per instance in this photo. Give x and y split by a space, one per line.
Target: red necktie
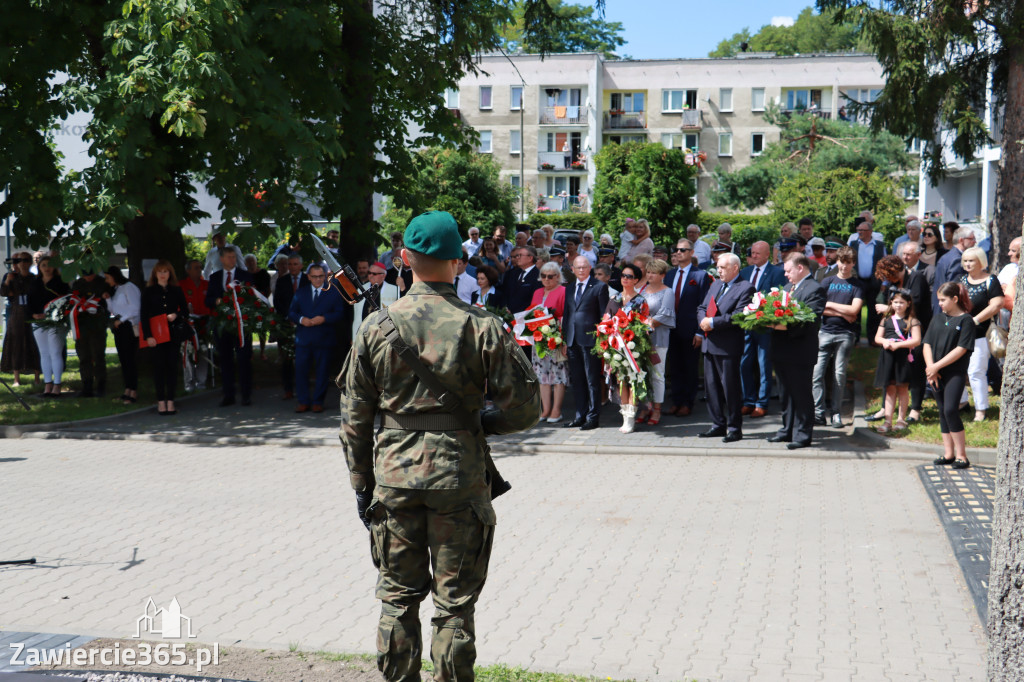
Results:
227 279
679 285
295 284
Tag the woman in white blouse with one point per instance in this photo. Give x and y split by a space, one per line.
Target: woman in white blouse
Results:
124 304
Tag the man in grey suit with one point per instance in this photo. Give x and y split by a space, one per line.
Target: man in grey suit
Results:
585 301
723 349
794 353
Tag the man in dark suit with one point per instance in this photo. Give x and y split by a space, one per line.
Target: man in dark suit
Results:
794 353
689 285
585 301
521 280
869 252
756 364
315 312
723 348
831 268
287 284
949 268
228 348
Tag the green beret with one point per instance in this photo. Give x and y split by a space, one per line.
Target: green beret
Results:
434 234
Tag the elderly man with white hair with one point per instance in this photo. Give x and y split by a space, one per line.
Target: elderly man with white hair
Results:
701 249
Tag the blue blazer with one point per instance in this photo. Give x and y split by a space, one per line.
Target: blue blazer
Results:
773 276
329 303
216 288
578 323
695 289
726 338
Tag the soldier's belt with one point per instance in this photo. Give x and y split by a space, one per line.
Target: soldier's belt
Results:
430 421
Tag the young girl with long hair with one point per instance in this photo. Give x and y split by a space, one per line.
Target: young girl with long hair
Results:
898 335
948 345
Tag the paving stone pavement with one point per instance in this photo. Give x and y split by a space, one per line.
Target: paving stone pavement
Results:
624 566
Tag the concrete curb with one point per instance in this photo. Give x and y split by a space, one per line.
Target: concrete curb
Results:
865 434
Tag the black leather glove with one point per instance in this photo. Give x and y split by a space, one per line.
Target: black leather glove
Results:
364 498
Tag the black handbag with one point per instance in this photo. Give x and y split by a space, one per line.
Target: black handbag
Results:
181 330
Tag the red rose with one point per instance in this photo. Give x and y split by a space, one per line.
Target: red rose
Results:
759 314
259 317
789 313
273 322
551 344
258 304
777 304
245 317
778 313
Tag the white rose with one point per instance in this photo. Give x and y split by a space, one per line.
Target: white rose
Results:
631 345
635 354
607 356
545 329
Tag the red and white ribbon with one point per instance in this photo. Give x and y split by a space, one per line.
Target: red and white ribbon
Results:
78 306
238 312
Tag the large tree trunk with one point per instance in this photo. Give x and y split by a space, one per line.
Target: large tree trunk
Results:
357 238
148 237
1006 570
1009 197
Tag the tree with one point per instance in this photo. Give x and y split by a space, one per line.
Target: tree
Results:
267 102
575 28
941 60
833 198
809 33
808 144
467 185
645 180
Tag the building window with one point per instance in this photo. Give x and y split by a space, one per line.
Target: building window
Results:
451 98
624 139
914 147
671 100
756 144
911 188
485 96
692 141
516 182
672 140
725 99
515 142
725 144
485 142
627 101
757 99
516 97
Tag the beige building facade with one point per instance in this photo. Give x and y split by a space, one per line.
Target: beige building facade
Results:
543 119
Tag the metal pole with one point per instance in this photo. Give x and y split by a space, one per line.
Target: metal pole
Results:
522 155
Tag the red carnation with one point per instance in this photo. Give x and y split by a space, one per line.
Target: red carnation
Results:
551 344
778 313
789 313
759 314
777 304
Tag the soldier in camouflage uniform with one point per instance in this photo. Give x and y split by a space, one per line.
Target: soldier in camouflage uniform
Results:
426 492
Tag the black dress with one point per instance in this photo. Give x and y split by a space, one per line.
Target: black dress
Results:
20 353
893 367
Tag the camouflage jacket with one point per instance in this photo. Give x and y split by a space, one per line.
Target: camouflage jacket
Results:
470 352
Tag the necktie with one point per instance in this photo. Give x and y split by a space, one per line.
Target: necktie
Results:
227 279
679 285
725 288
316 294
579 292
757 275
295 283
456 284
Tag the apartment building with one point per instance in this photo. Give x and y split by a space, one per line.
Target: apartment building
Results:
543 119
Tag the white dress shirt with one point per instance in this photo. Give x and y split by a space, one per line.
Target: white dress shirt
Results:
466 286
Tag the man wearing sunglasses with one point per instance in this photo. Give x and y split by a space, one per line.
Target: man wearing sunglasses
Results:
689 285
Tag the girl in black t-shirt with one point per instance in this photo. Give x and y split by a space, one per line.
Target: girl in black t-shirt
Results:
948 345
897 335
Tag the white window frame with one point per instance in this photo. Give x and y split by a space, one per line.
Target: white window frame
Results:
666 101
490 142
722 137
752 136
513 138
753 99
451 98
512 97
668 140
490 97
723 93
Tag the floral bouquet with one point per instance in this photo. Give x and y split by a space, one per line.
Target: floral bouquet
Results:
243 310
547 333
501 313
62 313
623 342
777 307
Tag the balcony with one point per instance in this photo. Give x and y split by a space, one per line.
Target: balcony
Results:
624 120
554 162
564 116
693 119
819 113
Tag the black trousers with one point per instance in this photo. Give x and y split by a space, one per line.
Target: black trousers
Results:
127 345
870 294
683 361
947 397
585 374
724 389
229 351
796 394
91 347
166 358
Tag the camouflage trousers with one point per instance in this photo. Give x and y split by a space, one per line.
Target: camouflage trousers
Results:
434 542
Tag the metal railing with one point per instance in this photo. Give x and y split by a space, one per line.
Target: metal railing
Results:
555 161
618 120
693 119
568 115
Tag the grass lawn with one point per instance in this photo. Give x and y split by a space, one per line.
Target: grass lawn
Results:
980 435
69 407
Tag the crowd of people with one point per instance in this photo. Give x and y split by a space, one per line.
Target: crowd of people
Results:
930 302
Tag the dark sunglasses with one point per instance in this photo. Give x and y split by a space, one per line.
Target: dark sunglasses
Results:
627 277
549 276
681 250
